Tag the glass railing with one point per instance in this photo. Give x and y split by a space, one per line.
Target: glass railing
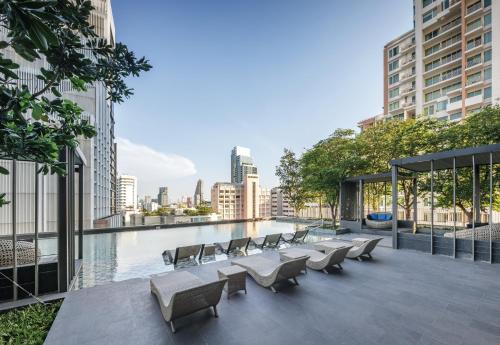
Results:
474 79
474 44
474 62
474 8
474 25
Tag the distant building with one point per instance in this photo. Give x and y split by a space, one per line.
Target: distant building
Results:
151 206
265 203
189 202
241 164
127 193
163 197
198 193
280 206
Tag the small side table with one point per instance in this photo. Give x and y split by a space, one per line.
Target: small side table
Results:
236 278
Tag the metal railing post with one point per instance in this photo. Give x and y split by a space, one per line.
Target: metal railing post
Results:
14 229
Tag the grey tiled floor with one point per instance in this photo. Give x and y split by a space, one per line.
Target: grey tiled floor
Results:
399 297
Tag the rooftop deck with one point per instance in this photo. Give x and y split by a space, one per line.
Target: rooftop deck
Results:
399 297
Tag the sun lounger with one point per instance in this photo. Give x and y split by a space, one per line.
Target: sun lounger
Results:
183 253
271 241
317 261
362 247
298 237
240 244
267 272
182 293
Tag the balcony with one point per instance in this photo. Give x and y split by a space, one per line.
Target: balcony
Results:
473 8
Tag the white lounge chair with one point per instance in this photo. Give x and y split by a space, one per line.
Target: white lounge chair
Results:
317 261
182 293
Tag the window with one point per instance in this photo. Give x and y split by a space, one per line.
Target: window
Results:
393 79
487 55
432 49
429 110
426 3
429 15
474 78
487 19
474 25
473 60
455 116
432 80
474 93
487 92
487 3
487 37
445 4
393 52
393 65
431 34
452 87
456 99
432 95
394 92
440 106
487 73
393 106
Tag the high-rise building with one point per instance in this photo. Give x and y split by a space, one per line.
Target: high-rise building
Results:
237 200
280 206
198 193
163 197
98 152
241 164
265 202
127 193
448 66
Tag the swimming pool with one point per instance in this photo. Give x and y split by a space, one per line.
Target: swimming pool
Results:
123 255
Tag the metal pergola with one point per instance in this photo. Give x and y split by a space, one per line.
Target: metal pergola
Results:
74 161
472 157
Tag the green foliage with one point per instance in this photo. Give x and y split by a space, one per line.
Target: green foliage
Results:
328 163
36 123
200 210
161 211
27 326
291 180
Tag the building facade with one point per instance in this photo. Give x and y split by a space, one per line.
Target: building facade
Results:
448 66
265 203
198 193
163 197
99 152
241 164
279 204
127 194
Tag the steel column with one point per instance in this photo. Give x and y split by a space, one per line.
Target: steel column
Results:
80 211
473 206
491 206
454 207
62 224
415 205
14 230
432 206
385 197
394 207
37 216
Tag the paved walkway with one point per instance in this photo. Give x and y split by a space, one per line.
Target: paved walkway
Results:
399 297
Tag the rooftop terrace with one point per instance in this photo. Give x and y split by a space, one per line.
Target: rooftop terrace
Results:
399 297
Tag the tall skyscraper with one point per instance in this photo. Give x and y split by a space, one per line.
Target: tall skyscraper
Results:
448 66
241 164
99 152
163 197
198 193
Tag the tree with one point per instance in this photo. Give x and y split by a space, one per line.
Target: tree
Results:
326 165
397 139
291 182
35 123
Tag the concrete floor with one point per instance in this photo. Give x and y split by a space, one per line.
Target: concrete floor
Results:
399 297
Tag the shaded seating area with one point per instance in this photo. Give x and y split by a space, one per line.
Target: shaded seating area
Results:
235 245
267 272
317 261
379 220
269 241
298 236
182 293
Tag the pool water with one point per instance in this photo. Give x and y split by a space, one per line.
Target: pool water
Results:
123 255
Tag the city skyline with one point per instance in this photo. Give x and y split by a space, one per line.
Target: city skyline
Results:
262 86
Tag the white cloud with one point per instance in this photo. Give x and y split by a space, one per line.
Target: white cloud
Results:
151 167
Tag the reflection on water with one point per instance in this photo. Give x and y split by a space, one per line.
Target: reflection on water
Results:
125 255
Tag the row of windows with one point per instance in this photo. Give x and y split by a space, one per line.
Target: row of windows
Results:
443 76
445 27
444 60
442 105
446 43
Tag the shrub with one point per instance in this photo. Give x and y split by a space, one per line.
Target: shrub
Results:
27 326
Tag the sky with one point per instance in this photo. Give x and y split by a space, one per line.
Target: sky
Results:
264 74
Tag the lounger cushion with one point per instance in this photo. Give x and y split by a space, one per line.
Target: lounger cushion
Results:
164 286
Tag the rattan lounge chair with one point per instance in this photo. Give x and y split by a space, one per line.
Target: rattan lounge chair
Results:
182 293
362 247
240 244
298 237
183 253
317 261
271 241
267 272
